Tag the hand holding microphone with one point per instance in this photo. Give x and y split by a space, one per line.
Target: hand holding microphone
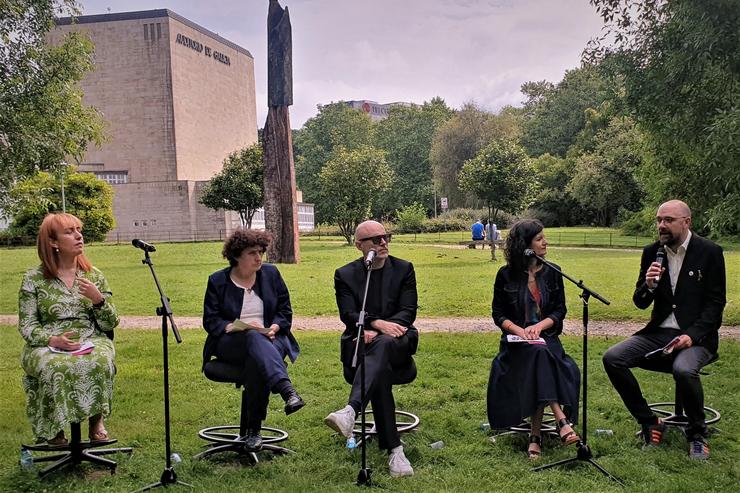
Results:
652 276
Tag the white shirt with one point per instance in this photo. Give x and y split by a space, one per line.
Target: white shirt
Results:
675 261
253 310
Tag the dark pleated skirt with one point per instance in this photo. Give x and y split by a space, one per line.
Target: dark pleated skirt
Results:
524 377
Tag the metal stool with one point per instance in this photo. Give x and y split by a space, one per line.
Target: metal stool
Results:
76 452
231 438
671 413
405 422
547 428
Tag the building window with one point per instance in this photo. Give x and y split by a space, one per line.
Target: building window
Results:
113 177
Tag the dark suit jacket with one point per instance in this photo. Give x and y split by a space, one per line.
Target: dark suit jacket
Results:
700 292
399 301
223 304
509 295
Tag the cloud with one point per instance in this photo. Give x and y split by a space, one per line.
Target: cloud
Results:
401 50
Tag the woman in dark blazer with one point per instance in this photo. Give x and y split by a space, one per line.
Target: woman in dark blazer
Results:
528 375
255 295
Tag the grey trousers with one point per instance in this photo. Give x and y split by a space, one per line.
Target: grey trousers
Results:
686 364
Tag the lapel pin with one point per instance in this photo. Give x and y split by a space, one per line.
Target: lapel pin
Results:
699 276
691 272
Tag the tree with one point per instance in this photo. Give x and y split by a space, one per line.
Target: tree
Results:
678 63
42 119
605 180
554 115
500 175
351 182
406 137
460 138
552 204
86 197
337 126
239 186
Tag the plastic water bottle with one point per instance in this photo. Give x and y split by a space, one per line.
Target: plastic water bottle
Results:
351 442
437 445
26 460
605 433
175 458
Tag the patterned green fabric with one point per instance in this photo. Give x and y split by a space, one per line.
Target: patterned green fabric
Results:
60 388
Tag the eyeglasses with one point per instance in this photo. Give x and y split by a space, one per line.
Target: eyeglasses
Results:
377 239
668 219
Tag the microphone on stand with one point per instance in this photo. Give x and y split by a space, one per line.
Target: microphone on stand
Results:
529 253
143 245
370 257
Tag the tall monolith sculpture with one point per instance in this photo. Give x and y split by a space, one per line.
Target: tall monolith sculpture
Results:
281 207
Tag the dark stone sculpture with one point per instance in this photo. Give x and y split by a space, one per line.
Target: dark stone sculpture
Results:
279 56
281 208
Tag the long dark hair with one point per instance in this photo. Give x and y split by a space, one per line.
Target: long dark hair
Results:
520 237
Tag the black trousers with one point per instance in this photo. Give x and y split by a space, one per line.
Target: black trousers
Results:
264 367
686 364
387 361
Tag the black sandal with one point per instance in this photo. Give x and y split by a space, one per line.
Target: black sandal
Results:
569 438
534 454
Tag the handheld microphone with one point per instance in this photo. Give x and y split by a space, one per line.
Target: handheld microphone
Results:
659 258
143 245
370 257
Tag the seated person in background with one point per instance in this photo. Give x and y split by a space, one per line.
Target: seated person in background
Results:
478 231
529 302
688 296
390 337
62 303
255 294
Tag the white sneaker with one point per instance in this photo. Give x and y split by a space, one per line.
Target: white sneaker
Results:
398 464
342 421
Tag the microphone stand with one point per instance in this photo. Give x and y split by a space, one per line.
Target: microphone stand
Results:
364 476
584 453
168 475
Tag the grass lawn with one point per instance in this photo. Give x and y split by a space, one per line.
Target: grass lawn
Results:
451 282
448 396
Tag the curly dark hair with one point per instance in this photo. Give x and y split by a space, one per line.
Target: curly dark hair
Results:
520 237
241 239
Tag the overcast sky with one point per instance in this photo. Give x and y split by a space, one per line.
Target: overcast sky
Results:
399 50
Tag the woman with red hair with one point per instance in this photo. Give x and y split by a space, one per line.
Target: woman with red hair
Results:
63 303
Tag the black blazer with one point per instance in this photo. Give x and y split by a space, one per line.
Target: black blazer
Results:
700 292
223 304
509 297
399 300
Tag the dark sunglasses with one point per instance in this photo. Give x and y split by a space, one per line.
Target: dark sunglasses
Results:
377 239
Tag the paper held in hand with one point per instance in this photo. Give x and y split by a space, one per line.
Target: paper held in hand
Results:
513 338
239 325
85 348
665 350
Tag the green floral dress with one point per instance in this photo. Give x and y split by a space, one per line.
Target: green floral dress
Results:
61 388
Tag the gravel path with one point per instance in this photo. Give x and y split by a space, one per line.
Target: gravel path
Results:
456 324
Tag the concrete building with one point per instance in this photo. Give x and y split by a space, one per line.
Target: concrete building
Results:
177 99
376 110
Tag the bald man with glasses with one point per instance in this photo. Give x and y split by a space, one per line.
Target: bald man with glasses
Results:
390 338
687 293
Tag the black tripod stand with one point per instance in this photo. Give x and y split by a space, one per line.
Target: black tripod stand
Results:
584 453
363 478
168 475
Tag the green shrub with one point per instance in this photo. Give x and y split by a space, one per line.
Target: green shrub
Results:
410 219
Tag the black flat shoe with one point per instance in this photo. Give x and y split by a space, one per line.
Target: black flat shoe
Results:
253 442
293 403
